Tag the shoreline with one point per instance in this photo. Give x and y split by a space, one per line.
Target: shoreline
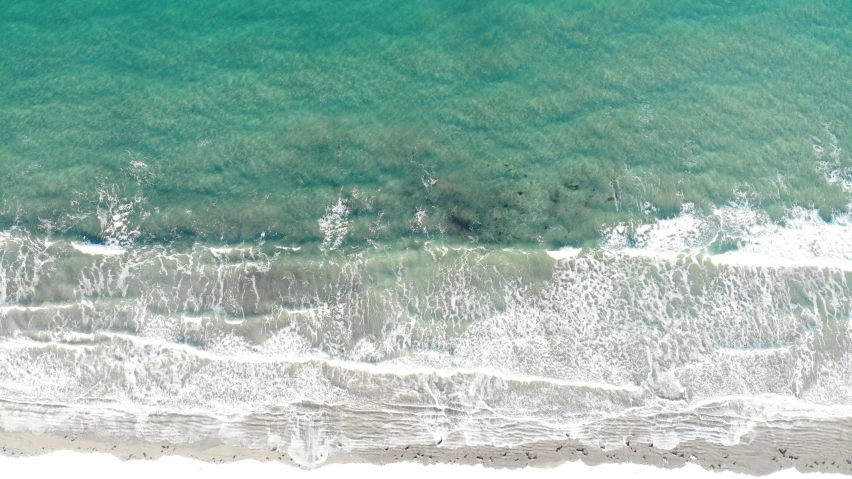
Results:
757 455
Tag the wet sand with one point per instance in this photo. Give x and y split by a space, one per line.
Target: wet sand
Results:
814 447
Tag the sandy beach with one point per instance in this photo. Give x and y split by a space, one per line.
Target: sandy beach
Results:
814 447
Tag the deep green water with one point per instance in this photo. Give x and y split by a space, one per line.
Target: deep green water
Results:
501 122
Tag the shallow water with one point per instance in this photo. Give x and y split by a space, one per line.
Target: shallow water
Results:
504 122
479 223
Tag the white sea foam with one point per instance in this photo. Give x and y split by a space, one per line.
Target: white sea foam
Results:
16 307
116 215
549 345
399 368
666 238
803 239
335 225
99 249
564 253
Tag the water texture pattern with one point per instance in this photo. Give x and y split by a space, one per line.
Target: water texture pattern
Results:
505 121
325 227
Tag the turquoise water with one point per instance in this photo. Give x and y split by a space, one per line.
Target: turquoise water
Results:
333 227
503 122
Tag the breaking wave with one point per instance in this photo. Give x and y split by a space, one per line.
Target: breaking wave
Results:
698 326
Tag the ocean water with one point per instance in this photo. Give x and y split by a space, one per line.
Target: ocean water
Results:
333 226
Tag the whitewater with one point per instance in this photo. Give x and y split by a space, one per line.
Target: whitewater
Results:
659 336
